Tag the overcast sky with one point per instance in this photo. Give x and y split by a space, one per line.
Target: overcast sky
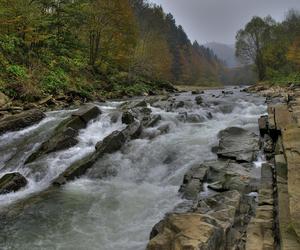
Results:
219 20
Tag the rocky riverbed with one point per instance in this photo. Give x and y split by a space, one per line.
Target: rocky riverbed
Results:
183 169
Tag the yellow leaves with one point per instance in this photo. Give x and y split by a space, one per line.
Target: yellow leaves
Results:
293 54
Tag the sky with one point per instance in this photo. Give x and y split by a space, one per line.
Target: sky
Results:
219 20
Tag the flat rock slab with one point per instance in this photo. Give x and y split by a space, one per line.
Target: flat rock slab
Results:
291 145
208 226
12 182
283 117
238 144
20 121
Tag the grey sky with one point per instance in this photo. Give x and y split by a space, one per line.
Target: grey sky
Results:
219 20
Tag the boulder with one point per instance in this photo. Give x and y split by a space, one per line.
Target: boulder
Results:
12 182
20 121
127 117
210 224
263 125
87 113
238 144
197 92
151 121
64 135
187 231
199 100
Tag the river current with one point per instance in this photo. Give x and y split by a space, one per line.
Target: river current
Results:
143 178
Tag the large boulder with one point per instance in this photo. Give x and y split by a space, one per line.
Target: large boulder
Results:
211 224
238 144
20 121
64 135
12 182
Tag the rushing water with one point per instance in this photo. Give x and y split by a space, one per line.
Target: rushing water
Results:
142 181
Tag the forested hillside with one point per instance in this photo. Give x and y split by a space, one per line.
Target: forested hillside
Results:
96 48
273 48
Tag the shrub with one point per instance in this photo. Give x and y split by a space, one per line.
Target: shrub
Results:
55 82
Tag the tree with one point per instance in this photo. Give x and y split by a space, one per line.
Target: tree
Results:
107 20
251 41
294 53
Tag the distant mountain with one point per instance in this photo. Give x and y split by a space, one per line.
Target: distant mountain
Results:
224 52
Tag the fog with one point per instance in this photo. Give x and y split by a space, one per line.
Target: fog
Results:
219 20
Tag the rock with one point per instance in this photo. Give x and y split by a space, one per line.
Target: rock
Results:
87 113
127 118
268 144
187 231
4 100
108 145
229 175
197 92
193 181
64 135
12 182
179 104
194 118
199 100
291 145
20 121
152 121
263 125
238 144
211 224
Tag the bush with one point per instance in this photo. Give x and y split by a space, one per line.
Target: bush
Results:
55 82
17 71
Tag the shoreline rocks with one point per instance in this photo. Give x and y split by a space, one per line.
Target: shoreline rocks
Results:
19 121
218 220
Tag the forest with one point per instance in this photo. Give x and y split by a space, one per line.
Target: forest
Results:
96 49
273 48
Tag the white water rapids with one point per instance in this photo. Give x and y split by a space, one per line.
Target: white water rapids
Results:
119 211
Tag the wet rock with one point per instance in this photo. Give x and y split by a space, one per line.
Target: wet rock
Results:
238 144
12 182
127 118
179 104
194 118
20 121
199 100
263 125
108 145
197 92
268 145
87 113
64 135
133 131
226 108
152 121
193 181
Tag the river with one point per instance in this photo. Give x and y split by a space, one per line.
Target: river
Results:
119 211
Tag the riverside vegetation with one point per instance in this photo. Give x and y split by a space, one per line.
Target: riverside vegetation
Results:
89 49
